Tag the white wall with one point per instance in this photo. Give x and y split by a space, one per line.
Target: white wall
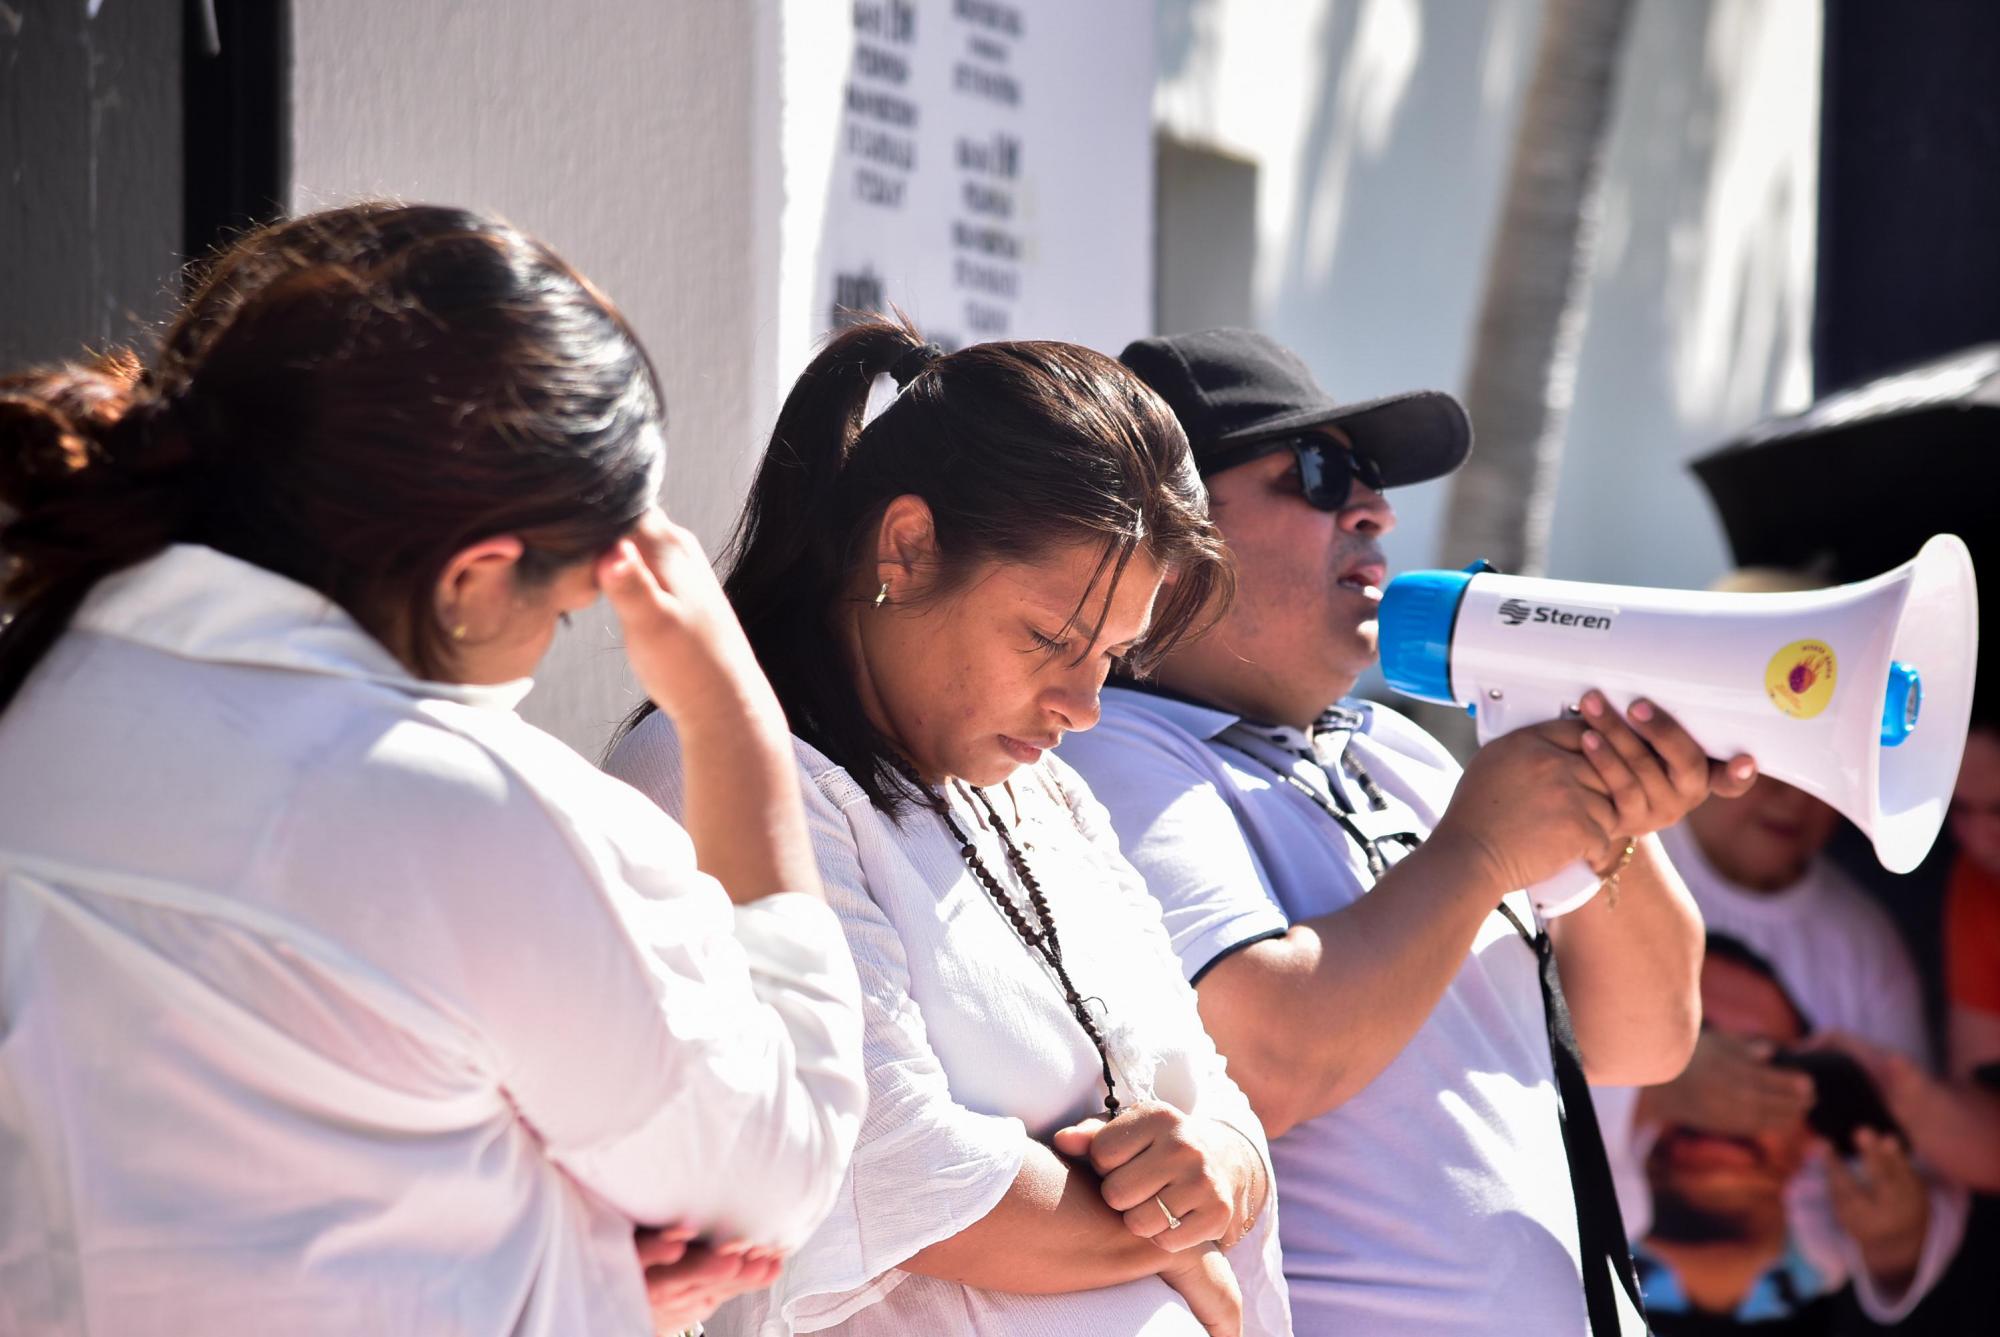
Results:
1702 301
995 180
624 133
619 131
685 156
1380 131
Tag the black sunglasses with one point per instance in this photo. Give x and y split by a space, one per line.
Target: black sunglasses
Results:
1327 469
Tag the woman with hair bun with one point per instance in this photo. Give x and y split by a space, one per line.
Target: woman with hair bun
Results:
937 591
334 997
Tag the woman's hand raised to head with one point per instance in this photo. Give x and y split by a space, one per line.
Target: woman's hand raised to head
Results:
743 811
681 636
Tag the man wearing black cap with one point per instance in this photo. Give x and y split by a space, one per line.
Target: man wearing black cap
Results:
1345 899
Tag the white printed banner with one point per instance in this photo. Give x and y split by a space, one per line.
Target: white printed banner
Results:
994 172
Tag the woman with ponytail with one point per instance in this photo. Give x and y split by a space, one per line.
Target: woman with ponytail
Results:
334 997
937 587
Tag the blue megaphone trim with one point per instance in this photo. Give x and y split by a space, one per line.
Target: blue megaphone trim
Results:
1414 628
1902 705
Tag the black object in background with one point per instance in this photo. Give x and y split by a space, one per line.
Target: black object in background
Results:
133 136
1845 1097
90 175
1865 476
236 109
1909 201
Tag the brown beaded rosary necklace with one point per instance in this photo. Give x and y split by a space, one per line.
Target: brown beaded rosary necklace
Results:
1040 936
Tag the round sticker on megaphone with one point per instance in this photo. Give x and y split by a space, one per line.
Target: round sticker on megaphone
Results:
1800 678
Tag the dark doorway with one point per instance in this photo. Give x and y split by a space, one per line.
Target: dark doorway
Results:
237 111
1909 195
132 136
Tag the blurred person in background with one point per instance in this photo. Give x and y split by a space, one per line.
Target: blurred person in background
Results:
334 997
937 583
1755 867
1719 1256
1955 1121
1972 919
1758 869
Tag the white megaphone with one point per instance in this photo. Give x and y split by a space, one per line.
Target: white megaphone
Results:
1860 695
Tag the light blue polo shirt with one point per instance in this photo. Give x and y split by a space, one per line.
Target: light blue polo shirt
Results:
1435 1202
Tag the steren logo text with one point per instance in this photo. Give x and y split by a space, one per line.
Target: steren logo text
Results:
1514 612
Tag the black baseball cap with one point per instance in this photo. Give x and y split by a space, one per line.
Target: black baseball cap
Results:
1230 386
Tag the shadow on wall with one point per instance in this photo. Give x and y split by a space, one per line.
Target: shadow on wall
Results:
1186 46
1377 195
1176 38
1205 238
1205 200
1701 304
1399 169
1398 172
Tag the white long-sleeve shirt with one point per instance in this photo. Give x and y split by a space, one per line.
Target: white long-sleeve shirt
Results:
335 1001
971 1051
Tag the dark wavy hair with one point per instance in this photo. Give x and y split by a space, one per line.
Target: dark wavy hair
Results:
1728 947
1016 448
348 399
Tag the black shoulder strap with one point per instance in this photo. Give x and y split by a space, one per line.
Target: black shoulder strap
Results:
1600 1226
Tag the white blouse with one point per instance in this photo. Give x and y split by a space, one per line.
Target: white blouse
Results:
333 1001
970 1051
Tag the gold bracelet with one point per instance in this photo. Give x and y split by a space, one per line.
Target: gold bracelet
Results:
1259 1188
1609 885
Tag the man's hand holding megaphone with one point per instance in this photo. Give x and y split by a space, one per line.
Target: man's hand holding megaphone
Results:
1538 799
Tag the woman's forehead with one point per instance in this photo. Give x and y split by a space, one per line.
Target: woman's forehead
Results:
1070 581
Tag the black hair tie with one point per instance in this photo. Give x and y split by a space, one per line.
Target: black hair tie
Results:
911 363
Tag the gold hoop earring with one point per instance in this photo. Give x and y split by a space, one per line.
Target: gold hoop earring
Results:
882 595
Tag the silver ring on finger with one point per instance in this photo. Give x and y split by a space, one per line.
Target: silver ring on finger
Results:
1173 1222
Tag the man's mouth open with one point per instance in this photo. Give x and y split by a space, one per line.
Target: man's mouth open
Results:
1364 578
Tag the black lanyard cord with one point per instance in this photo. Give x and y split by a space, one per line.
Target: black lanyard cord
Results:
1600 1224
1371 847
1039 936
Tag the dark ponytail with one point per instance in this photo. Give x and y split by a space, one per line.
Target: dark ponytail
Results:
99 476
784 555
1017 449
347 400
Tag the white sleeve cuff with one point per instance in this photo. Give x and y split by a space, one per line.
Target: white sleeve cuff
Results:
902 1195
1224 940
1949 1206
793 940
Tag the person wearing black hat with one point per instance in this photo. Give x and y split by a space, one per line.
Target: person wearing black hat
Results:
1345 898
